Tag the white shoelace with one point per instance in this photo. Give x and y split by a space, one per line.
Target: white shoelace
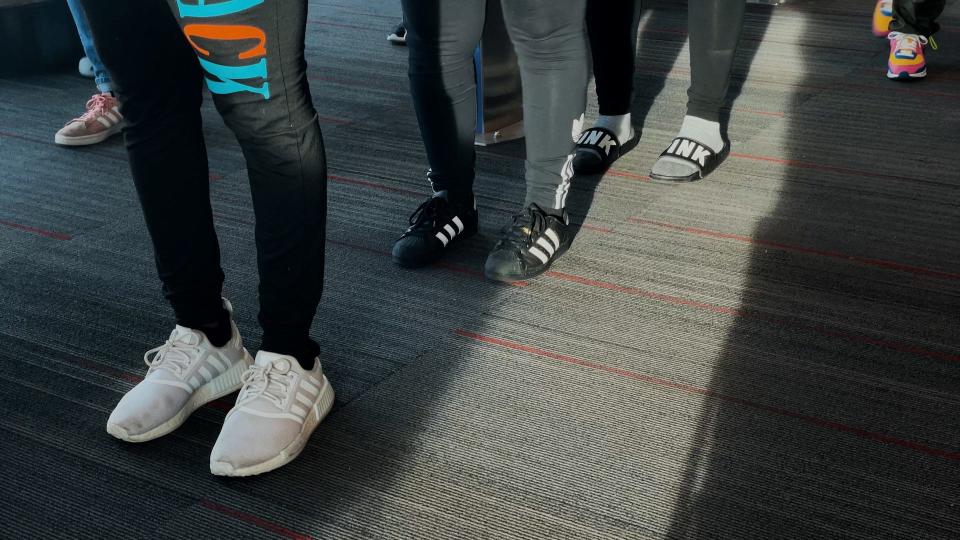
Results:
174 356
910 42
262 381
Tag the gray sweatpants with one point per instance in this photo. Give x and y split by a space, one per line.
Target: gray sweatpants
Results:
550 41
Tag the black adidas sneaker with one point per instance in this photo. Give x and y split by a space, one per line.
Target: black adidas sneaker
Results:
529 246
435 226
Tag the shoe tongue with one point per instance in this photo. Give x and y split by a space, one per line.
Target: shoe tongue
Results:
281 363
187 336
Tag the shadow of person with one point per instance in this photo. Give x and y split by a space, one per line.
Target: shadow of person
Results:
830 411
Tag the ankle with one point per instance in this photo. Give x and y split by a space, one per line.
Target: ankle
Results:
703 131
304 352
218 332
620 125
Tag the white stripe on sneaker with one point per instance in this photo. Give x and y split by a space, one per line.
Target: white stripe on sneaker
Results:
458 223
450 231
553 237
535 251
113 118
545 244
305 384
304 399
298 410
443 238
207 376
106 123
217 363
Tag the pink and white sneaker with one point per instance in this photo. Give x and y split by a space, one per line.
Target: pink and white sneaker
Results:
101 121
906 56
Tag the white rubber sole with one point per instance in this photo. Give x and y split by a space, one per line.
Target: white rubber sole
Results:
904 75
225 384
86 140
288 454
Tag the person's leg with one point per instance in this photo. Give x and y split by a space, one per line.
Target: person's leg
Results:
261 43
550 40
917 16
714 28
101 77
102 118
612 27
253 55
159 82
441 37
158 78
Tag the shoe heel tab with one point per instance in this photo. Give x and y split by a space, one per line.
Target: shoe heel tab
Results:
227 306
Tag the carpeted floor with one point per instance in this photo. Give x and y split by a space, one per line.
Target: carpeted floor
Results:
771 353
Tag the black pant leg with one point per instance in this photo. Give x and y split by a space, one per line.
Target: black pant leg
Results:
917 16
441 38
612 28
158 80
253 54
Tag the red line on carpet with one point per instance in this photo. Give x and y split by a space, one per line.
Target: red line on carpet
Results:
821 167
41 232
734 312
374 185
691 389
254 520
881 263
628 174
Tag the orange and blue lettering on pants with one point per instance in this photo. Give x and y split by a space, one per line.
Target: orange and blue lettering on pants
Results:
225 79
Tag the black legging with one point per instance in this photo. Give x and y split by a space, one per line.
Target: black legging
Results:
714 29
251 53
550 41
917 16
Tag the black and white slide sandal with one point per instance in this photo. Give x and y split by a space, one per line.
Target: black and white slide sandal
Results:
700 155
597 149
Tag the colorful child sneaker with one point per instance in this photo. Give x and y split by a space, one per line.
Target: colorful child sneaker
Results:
185 373
882 17
906 56
101 121
279 407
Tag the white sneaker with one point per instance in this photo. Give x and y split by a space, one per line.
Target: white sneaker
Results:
186 373
85 67
279 407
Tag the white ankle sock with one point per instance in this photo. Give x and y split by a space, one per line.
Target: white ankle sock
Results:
703 131
619 125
